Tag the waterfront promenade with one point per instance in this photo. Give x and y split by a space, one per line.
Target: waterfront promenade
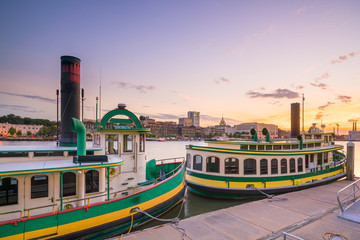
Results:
307 214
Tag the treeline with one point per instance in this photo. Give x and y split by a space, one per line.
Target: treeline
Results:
13 119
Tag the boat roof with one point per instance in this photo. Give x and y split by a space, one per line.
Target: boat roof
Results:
42 148
49 166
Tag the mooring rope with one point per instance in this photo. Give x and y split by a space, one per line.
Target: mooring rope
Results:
270 196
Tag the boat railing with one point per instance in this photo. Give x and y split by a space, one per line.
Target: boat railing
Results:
325 167
171 160
13 212
290 236
40 207
350 197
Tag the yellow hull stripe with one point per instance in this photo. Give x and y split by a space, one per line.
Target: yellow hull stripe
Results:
269 184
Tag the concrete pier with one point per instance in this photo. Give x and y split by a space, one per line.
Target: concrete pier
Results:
307 214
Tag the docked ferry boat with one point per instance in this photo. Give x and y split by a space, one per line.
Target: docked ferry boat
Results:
61 192
247 169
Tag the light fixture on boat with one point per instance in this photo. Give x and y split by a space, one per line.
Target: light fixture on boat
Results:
121 106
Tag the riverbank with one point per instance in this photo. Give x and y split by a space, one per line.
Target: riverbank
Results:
307 214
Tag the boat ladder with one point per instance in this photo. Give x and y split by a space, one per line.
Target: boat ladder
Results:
350 204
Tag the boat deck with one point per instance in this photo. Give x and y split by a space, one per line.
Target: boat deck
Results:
307 214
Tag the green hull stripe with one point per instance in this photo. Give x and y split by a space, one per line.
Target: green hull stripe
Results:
262 179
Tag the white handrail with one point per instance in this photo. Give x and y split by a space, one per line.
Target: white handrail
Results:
354 188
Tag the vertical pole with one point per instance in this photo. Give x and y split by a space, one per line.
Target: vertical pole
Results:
303 115
96 113
61 191
57 115
350 161
108 183
82 105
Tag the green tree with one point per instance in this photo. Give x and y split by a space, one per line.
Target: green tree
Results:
28 133
18 133
12 131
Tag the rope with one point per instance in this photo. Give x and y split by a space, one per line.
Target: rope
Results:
332 235
270 196
132 221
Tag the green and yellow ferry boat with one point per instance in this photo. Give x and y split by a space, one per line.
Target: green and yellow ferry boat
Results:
60 192
247 169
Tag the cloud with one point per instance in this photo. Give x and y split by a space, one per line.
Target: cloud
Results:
278 103
343 58
301 11
34 97
319 85
250 39
325 106
319 115
20 108
278 93
298 87
222 80
140 88
344 99
322 77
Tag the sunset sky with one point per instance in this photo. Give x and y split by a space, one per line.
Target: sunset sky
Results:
244 60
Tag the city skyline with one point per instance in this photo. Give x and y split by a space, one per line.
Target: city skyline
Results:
244 60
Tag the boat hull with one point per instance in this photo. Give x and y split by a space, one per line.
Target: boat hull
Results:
110 217
204 185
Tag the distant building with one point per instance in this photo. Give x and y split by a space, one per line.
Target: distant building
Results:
195 118
4 128
245 129
186 122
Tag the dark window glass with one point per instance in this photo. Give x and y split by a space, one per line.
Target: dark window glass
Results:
294 146
283 166
326 157
277 147
128 143
292 165
300 164
306 161
286 147
8 191
249 166
92 181
268 147
244 147
319 159
311 157
212 164
197 162
274 166
231 166
188 160
69 184
39 186
263 166
252 147
261 147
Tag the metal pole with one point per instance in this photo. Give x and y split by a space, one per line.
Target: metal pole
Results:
108 183
82 105
57 116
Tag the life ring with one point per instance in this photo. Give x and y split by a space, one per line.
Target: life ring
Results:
112 172
69 205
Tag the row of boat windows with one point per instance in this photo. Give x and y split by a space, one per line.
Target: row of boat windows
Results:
277 147
112 143
231 165
40 186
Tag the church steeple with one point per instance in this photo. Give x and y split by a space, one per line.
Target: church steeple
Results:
222 121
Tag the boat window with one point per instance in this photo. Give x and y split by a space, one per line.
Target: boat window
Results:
277 147
92 181
317 136
197 162
142 142
317 144
261 147
300 164
128 143
292 165
231 166
274 166
304 146
212 164
307 136
283 166
72 153
311 157
319 159
286 147
111 144
244 147
14 154
249 166
310 145
295 146
39 186
326 157
252 147
263 166
268 147
48 154
69 184
306 161
188 160
8 191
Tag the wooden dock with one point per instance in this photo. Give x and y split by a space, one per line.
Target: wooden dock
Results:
307 214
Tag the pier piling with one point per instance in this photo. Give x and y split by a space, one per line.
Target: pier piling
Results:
350 161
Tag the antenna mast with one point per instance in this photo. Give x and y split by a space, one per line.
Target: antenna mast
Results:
100 96
303 118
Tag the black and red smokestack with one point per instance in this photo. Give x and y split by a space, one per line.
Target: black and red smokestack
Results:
70 98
